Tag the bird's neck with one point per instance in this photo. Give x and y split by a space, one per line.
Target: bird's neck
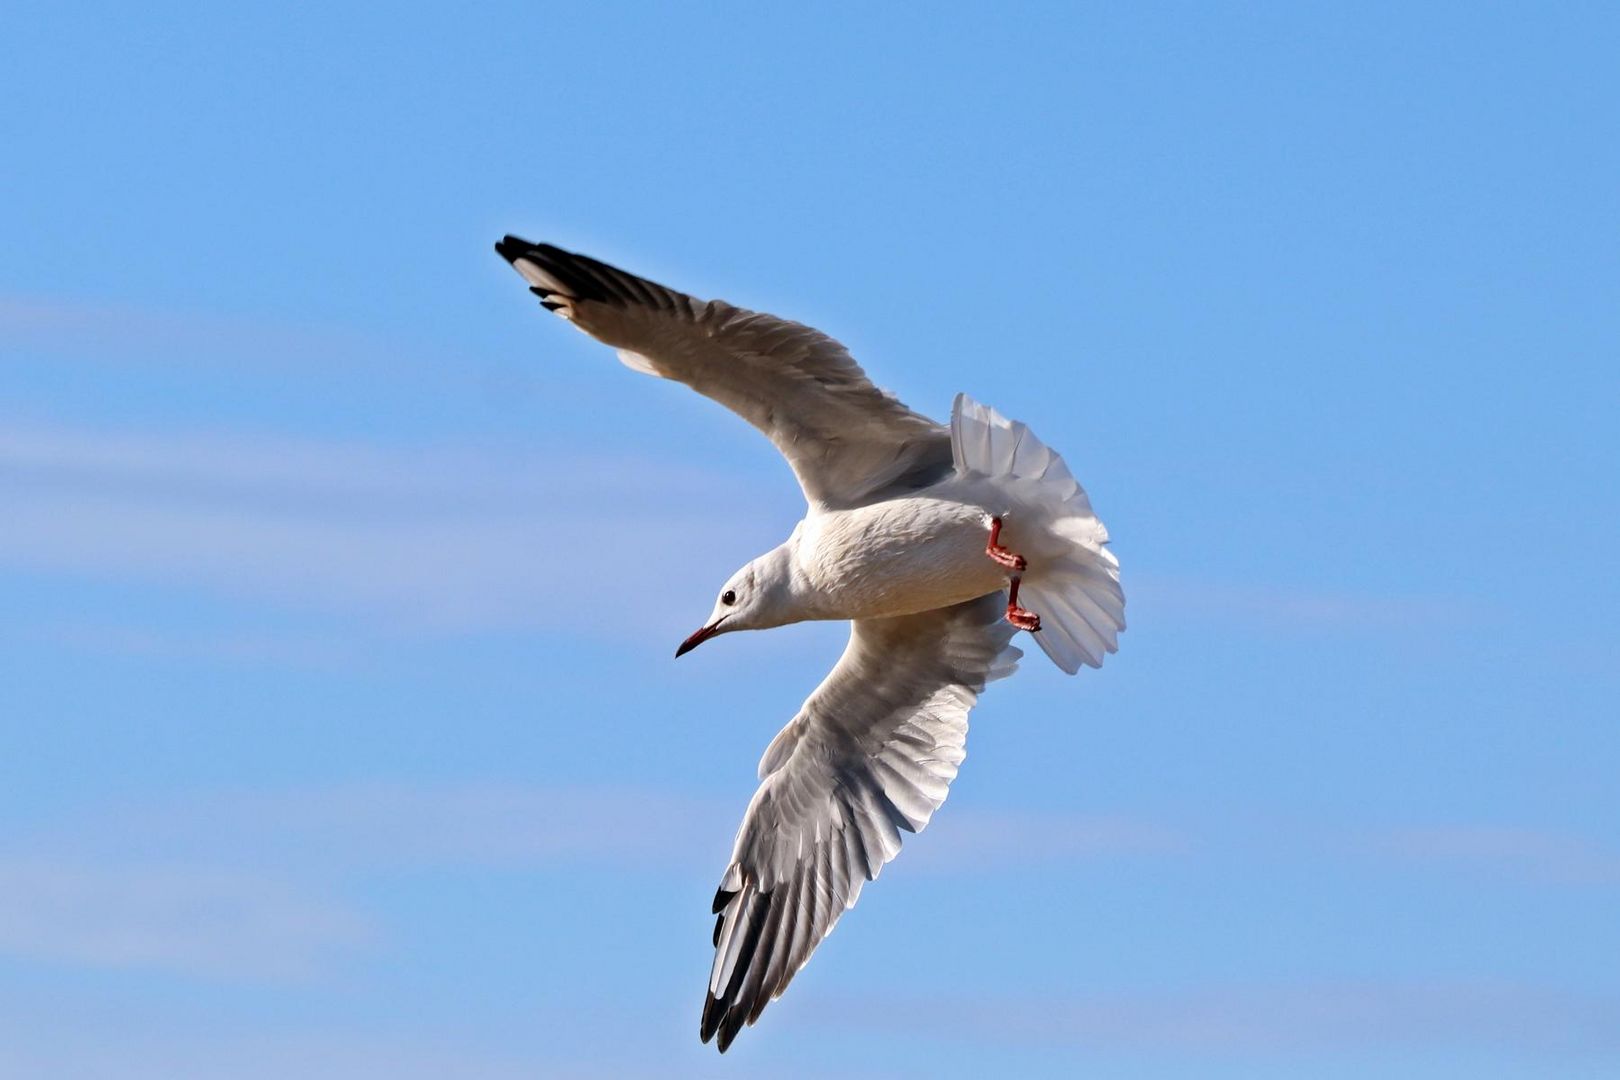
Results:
795 599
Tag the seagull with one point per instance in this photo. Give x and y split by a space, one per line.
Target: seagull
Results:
937 544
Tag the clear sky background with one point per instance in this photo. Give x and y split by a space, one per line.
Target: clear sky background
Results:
339 730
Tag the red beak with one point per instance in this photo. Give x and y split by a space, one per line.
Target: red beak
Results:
699 638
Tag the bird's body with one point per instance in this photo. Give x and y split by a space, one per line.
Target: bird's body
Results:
921 536
896 557
910 553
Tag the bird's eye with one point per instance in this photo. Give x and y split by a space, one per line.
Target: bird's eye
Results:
728 597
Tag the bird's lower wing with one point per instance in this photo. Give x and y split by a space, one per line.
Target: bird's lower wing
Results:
845 438
871 753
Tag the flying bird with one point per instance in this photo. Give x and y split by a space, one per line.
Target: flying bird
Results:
938 544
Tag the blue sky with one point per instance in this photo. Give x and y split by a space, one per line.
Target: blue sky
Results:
339 731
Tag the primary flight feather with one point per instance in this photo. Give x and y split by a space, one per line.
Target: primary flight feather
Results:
937 544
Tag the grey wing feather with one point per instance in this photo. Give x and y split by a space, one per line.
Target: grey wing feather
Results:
847 441
871 754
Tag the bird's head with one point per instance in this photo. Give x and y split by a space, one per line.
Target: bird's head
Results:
756 597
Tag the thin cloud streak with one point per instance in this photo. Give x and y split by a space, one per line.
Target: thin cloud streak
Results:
1293 608
148 1037
450 538
1247 1020
326 651
277 470
435 575
1538 855
377 827
980 840
186 1054
232 885
389 826
70 327
200 922
437 539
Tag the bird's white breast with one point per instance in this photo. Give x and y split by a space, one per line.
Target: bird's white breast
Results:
896 557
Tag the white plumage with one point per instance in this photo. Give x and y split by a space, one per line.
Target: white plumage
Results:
900 513
1074 585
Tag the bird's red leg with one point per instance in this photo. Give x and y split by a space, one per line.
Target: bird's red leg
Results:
1020 617
1001 555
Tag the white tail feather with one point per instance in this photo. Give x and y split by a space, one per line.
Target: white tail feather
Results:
1077 593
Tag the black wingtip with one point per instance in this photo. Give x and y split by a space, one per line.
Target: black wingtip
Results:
712 1014
729 1027
545 296
511 248
722 897
721 1021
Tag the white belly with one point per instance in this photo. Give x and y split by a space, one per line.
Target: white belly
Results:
898 557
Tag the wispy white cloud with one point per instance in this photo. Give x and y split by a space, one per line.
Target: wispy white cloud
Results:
307 648
1248 1020
179 1054
225 925
963 840
1287 607
365 827
1531 854
371 827
427 573
165 1042
234 884
424 538
209 885
283 471
73 326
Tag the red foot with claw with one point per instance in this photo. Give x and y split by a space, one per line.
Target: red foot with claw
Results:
1021 617
1003 557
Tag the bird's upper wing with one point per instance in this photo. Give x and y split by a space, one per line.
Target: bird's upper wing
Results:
845 439
870 753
